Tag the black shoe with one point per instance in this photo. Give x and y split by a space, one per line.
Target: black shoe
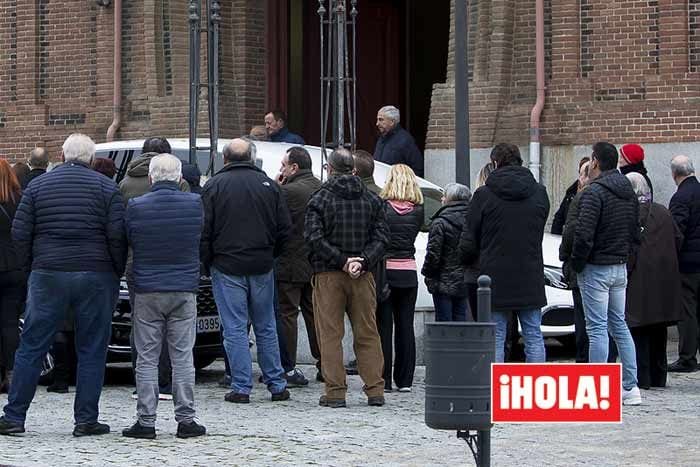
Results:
280 396
332 403
90 429
376 401
225 382
680 366
237 398
139 431
190 430
296 379
10 428
351 368
319 377
58 388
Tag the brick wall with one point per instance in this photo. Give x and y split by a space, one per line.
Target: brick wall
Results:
56 70
617 70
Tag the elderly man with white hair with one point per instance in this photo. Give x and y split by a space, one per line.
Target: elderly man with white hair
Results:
396 145
164 228
69 228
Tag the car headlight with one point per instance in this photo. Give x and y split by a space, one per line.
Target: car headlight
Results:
554 277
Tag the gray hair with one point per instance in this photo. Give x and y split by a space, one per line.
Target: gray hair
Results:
165 167
79 147
640 186
391 112
38 158
682 166
341 161
457 192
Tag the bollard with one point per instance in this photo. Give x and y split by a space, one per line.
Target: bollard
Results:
483 299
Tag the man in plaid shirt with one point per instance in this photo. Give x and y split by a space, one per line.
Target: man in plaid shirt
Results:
347 234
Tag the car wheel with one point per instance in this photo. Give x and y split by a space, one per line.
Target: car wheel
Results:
201 362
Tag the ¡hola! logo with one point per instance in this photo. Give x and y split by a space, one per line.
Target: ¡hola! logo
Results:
556 393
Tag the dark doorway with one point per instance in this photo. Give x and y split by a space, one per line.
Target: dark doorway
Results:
402 52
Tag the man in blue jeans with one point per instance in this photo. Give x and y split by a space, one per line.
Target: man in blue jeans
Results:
246 223
606 233
70 228
504 229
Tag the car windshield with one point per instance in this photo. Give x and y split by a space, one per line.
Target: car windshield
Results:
432 201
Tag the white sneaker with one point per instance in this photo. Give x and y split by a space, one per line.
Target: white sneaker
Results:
631 397
407 389
164 396
135 395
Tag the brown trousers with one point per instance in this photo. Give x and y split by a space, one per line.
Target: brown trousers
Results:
292 297
335 293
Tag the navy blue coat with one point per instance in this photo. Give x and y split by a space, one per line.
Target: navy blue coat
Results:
71 219
286 136
164 229
685 208
399 147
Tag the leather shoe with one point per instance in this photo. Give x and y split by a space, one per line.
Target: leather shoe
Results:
332 403
139 431
10 428
90 429
376 401
237 398
680 366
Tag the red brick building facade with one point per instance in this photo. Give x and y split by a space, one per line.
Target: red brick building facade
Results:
617 70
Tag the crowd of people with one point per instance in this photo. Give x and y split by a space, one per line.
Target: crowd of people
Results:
275 248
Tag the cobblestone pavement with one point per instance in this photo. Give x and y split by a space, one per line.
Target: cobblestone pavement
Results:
662 432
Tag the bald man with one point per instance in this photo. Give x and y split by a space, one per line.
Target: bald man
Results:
685 208
246 224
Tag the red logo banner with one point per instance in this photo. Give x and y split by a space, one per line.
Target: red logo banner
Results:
556 393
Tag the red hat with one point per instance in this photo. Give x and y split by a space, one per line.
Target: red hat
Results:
633 153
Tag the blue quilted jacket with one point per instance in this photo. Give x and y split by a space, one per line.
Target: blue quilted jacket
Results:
164 229
71 219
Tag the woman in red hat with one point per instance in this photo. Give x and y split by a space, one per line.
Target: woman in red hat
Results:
632 160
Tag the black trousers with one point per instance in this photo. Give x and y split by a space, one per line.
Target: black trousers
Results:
13 289
396 312
472 296
64 358
580 334
688 326
650 343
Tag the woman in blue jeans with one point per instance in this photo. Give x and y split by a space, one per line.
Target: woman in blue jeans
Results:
445 275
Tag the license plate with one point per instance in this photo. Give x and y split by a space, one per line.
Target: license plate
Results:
207 324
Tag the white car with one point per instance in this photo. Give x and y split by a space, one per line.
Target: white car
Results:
557 315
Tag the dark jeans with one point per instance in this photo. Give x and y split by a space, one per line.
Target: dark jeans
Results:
397 312
688 334
63 357
92 296
449 308
472 296
580 328
650 342
13 287
165 370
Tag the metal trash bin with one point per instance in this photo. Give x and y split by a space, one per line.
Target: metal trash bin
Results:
458 357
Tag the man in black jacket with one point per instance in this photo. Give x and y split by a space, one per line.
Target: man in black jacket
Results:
396 145
70 228
685 208
347 235
504 229
37 161
607 230
246 224
293 271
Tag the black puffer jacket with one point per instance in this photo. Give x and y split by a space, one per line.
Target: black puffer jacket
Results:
504 229
685 208
608 222
404 226
561 214
443 270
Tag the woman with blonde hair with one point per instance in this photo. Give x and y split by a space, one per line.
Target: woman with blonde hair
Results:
405 218
12 277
